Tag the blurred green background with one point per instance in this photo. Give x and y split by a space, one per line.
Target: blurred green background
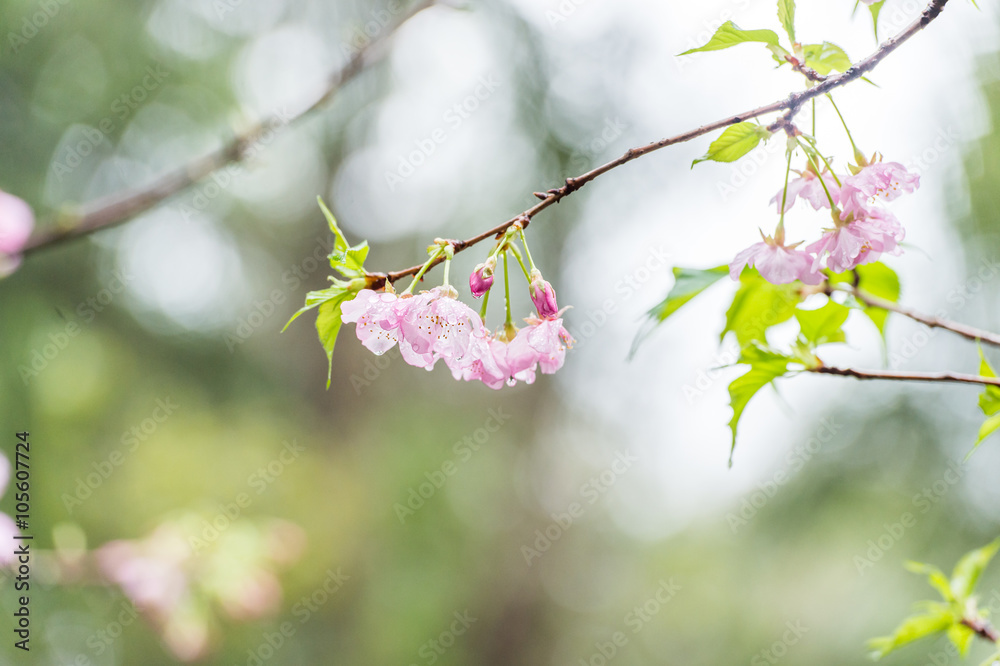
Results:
168 378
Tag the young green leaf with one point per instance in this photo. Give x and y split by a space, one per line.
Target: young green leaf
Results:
316 298
729 34
989 402
875 8
825 58
758 305
935 577
970 567
961 637
765 366
786 14
734 143
328 326
823 325
937 619
350 261
688 283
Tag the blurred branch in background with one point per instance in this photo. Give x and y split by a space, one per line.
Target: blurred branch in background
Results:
118 208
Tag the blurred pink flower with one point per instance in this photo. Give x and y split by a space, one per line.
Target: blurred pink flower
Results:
808 187
16 223
777 263
8 529
861 241
884 181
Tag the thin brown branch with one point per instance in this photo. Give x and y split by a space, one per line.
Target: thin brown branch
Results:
121 207
789 105
928 320
944 377
982 628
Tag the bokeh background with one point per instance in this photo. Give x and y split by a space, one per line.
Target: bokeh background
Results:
174 404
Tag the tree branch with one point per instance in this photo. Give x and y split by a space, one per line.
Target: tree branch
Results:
945 377
121 207
790 105
982 628
928 320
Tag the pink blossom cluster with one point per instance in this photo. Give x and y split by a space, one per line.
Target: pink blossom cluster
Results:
16 223
863 228
434 325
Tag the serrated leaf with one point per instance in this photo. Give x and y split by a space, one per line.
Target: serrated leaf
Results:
912 629
758 305
823 325
825 58
328 325
729 34
315 299
961 637
875 8
349 260
735 142
765 366
688 283
786 14
970 567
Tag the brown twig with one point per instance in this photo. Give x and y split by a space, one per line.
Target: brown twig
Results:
790 105
946 377
928 320
120 207
982 628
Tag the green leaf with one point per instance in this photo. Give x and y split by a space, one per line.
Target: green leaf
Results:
786 14
939 619
350 261
823 325
878 280
961 637
995 658
970 567
316 298
757 306
935 577
328 326
989 402
729 34
875 8
765 366
826 57
734 143
688 283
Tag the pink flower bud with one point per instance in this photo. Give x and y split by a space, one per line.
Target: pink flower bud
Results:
481 279
543 296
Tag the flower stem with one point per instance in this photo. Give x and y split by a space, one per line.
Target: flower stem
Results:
829 167
486 301
423 269
524 242
447 272
517 255
506 292
812 161
844 123
779 233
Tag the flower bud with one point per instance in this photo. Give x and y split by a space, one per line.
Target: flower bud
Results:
482 278
543 296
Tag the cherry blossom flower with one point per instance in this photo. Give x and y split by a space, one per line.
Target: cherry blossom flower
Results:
543 296
859 241
487 362
808 187
436 325
883 181
16 223
777 263
377 319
